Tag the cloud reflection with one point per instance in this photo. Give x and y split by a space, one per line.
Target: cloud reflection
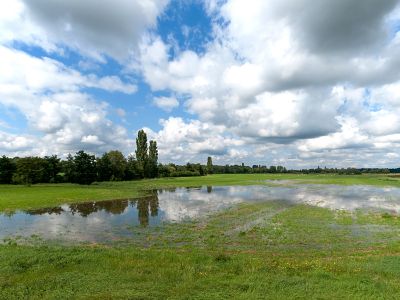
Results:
108 220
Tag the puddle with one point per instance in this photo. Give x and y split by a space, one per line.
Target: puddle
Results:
109 220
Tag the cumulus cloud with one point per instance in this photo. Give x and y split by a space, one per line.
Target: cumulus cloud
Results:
49 95
336 27
11 143
19 69
348 137
193 140
313 77
92 139
166 103
113 28
290 82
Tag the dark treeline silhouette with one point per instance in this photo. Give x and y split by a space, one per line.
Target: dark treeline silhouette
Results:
84 168
243 169
346 171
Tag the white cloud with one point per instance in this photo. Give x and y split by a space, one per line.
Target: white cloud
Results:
19 69
281 80
166 103
348 137
112 28
14 143
49 95
193 140
306 77
92 139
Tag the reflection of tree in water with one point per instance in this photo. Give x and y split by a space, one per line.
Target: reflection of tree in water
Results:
143 211
154 205
146 207
52 210
84 209
116 207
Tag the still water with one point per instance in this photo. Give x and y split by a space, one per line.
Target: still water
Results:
109 220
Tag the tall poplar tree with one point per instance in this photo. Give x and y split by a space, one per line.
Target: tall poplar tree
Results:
153 160
142 156
209 165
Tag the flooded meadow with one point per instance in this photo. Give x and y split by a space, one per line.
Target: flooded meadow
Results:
102 221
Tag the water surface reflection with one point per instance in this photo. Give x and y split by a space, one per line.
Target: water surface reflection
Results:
108 220
146 207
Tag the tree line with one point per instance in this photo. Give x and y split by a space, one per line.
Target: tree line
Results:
243 169
84 168
346 171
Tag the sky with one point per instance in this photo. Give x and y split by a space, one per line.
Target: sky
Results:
298 83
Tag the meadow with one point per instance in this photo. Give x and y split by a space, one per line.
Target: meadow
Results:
268 250
13 197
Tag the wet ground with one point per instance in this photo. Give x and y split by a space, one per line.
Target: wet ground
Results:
114 219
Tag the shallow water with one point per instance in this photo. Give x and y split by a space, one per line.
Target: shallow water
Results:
109 220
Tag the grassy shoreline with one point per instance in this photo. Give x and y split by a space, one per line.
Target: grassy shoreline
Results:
292 251
14 197
263 250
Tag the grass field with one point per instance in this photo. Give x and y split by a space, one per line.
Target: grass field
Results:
13 197
271 250
290 252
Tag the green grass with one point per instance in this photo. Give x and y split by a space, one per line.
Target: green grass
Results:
14 197
271 250
254 251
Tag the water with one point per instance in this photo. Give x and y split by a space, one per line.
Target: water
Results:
110 220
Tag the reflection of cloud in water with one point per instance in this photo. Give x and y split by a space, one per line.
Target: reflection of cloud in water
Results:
105 220
65 226
351 197
181 204
80 222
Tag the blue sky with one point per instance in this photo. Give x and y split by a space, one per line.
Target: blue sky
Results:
244 81
183 22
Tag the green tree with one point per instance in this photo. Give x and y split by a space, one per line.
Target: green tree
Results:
84 167
52 169
104 171
166 170
7 169
280 169
29 170
68 169
116 164
142 156
132 169
153 160
209 165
